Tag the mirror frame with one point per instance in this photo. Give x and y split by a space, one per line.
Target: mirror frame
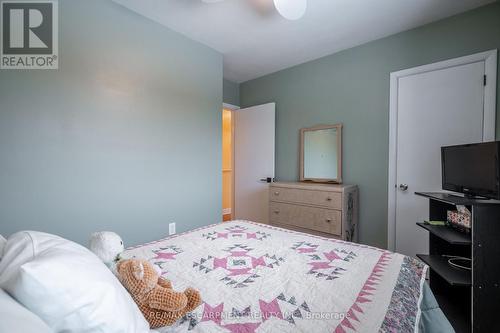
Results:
337 180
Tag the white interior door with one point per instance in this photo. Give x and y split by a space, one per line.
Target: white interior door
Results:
254 134
434 108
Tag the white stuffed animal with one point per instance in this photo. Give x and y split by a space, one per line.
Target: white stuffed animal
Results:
108 246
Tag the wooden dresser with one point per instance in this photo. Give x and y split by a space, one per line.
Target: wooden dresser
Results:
320 209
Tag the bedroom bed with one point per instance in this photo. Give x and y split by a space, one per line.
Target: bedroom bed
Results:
259 278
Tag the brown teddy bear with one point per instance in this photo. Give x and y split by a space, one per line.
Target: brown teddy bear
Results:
158 302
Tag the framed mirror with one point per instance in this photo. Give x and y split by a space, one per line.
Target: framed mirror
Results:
321 154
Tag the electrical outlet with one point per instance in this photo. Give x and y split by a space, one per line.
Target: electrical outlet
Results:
171 228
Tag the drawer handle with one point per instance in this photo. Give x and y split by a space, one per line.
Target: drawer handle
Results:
276 193
328 220
276 211
328 199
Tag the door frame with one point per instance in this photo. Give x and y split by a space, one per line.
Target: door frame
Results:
231 108
489 120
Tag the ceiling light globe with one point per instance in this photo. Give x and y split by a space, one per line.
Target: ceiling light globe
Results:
291 9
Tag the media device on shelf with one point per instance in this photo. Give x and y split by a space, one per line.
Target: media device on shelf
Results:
472 169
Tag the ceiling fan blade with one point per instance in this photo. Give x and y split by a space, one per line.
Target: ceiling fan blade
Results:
289 9
264 7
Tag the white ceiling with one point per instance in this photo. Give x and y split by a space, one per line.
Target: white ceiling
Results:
255 40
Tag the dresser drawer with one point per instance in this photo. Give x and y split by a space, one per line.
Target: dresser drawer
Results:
310 197
319 219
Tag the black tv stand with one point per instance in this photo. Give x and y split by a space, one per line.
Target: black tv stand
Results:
475 196
467 196
469 298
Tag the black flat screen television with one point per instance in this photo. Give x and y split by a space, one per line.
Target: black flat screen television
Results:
472 169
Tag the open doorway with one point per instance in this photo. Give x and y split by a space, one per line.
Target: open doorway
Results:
247 161
227 164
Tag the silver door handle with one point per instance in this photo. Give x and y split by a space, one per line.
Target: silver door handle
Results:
403 187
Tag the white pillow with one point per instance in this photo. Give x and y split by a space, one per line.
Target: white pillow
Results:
67 286
16 318
2 244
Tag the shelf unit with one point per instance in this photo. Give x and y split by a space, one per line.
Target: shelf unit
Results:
448 234
470 299
454 276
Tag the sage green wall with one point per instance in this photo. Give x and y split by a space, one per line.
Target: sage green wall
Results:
231 92
125 136
352 87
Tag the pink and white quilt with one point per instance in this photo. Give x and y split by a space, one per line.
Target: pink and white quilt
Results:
259 278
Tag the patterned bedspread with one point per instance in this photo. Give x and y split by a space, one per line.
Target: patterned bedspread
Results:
258 278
